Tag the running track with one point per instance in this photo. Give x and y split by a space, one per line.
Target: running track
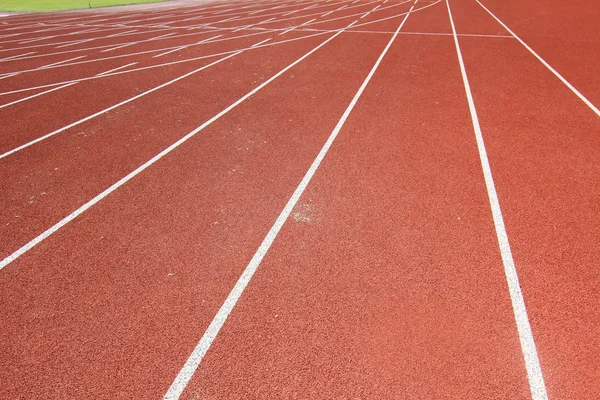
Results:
346 199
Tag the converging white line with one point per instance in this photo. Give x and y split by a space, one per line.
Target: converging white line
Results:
261 42
64 128
17 56
555 72
48 232
36 95
532 362
194 360
116 69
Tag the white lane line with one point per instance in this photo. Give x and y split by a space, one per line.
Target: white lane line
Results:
114 186
89 117
17 56
259 43
295 27
49 44
194 360
36 95
159 65
251 25
209 39
153 160
532 362
555 72
118 47
75 43
116 69
36 39
337 9
4 76
160 36
8 75
172 51
121 34
61 62
227 20
394 16
307 22
288 30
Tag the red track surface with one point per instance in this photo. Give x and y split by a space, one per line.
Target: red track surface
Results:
386 279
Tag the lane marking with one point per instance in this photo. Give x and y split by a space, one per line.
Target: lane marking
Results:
199 26
209 39
172 51
115 69
194 360
89 117
159 65
9 74
261 42
75 43
36 95
532 363
61 62
295 27
121 34
118 47
48 232
14 58
34 40
160 36
555 72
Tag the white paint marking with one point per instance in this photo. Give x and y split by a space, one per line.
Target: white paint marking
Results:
36 95
16 57
161 36
559 76
89 117
288 30
61 62
209 39
121 34
75 43
8 75
259 43
116 69
295 27
307 22
172 51
36 39
532 363
194 360
108 191
4 76
118 47
159 65
148 163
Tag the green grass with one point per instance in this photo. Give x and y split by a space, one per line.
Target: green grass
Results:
57 5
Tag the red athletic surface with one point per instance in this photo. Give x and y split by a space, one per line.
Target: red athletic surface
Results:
385 282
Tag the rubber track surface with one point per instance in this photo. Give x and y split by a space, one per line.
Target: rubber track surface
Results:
178 132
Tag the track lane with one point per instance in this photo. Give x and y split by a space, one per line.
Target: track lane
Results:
565 34
93 293
386 282
541 142
110 145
